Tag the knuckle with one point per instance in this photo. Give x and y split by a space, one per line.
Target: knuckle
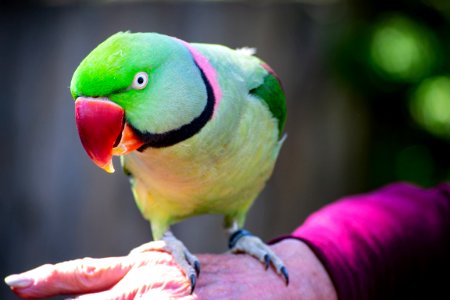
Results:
85 272
49 270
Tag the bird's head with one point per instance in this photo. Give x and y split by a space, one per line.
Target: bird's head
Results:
138 90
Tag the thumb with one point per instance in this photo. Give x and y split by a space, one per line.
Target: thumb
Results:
77 276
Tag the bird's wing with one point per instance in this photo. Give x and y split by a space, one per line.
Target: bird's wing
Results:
261 81
271 92
268 86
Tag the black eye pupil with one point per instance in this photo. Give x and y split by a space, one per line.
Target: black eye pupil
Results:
140 80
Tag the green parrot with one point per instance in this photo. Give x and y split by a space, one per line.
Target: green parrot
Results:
198 128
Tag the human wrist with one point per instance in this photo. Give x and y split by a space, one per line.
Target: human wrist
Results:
307 274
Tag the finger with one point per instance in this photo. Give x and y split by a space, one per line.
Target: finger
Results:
76 276
109 294
151 246
150 280
133 295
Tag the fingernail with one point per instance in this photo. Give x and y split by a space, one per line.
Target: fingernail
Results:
17 281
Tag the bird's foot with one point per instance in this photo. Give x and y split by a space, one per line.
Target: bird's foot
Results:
242 241
188 262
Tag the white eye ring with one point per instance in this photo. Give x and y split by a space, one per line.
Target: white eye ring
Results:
140 81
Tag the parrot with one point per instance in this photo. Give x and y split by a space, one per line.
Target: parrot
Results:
198 128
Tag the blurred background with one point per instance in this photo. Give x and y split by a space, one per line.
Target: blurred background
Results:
368 96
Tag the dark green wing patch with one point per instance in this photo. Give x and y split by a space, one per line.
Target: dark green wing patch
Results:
271 92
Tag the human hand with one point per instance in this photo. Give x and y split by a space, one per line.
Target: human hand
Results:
154 275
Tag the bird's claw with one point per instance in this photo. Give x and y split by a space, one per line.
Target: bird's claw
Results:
267 261
188 262
185 260
285 274
193 279
243 241
197 267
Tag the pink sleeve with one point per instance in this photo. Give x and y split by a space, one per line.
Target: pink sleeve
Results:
384 244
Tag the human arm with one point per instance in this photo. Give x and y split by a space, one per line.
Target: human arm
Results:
393 243
154 275
386 244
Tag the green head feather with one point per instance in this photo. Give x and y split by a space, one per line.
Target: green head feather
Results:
175 93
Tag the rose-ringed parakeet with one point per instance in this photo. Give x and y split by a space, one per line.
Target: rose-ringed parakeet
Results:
198 128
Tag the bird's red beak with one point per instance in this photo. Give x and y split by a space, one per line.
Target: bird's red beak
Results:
103 130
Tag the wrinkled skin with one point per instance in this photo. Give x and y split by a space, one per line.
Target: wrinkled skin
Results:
154 275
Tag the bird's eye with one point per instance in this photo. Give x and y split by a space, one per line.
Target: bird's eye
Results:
140 81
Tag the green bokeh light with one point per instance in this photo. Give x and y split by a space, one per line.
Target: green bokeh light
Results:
430 105
402 50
